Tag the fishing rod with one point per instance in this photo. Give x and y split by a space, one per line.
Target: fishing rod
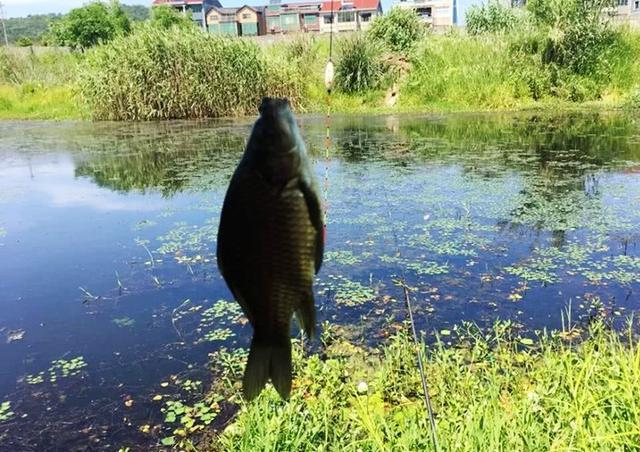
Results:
417 343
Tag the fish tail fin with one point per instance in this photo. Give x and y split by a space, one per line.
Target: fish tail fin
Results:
306 315
268 359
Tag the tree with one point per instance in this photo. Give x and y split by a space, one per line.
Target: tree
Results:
91 25
398 30
166 17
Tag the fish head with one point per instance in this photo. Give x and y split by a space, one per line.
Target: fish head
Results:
277 126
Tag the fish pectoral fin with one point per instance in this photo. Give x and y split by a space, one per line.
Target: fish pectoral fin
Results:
306 315
268 359
314 207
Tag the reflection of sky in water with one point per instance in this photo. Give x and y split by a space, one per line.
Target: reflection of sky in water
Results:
55 182
487 216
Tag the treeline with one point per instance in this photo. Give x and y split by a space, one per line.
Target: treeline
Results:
36 29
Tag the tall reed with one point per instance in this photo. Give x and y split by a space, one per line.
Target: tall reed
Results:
180 73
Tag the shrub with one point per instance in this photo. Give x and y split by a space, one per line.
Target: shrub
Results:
492 17
359 67
165 17
399 30
181 73
24 42
578 32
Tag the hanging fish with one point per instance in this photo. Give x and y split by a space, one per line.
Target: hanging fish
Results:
270 243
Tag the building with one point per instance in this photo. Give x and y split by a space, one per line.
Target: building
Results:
278 17
439 14
196 9
349 15
628 12
292 17
243 21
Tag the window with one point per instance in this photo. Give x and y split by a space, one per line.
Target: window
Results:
424 12
246 16
365 17
636 5
623 2
346 16
214 17
310 19
327 19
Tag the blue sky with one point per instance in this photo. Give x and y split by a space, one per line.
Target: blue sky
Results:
17 8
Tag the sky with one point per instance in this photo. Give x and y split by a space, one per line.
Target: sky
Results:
19 8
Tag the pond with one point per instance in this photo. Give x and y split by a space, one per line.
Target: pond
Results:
112 304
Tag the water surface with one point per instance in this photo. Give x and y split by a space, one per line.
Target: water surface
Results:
110 295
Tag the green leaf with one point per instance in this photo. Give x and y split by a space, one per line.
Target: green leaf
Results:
526 341
168 441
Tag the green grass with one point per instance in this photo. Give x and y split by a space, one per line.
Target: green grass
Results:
30 101
175 76
490 392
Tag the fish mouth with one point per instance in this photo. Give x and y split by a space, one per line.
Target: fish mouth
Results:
274 108
278 122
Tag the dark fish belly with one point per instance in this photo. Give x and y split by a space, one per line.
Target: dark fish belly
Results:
273 250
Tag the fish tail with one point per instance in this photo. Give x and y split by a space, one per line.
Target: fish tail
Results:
268 359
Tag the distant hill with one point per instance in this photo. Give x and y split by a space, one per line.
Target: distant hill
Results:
137 12
32 27
36 26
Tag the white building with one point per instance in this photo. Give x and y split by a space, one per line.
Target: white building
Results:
628 12
437 13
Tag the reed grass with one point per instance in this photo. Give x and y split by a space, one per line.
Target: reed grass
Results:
181 73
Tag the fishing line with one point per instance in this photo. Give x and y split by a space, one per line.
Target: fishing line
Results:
328 81
421 368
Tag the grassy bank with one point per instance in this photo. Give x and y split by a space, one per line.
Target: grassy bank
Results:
27 101
493 391
154 74
39 84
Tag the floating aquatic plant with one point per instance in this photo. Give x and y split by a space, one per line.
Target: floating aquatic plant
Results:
124 322
345 257
5 411
350 293
220 334
60 368
191 418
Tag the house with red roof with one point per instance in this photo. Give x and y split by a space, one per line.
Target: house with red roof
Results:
348 15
